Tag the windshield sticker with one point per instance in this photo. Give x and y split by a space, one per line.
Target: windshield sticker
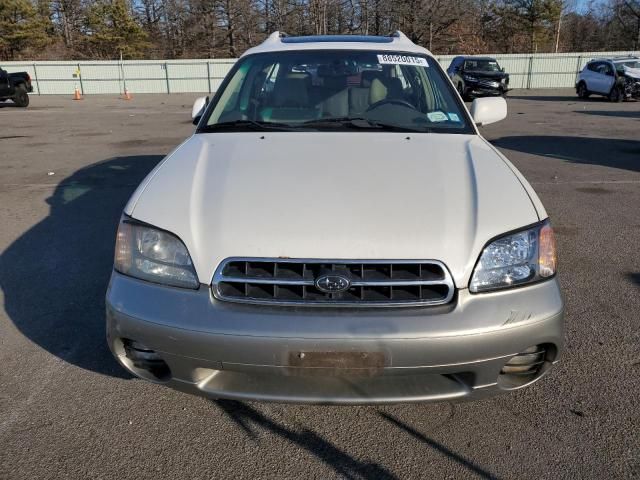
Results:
454 117
437 117
402 60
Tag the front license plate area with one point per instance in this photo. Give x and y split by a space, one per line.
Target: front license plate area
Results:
337 363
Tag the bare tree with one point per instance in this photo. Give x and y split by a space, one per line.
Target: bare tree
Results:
210 28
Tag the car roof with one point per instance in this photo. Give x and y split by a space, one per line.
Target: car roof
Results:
614 59
280 42
471 57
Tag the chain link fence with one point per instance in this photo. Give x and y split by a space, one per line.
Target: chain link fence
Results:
204 76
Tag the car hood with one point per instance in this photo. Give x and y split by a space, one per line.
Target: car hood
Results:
334 195
632 72
487 75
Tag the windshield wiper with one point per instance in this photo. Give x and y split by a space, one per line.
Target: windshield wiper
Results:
359 122
246 124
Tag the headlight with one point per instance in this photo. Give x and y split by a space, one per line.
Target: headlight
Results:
515 259
154 255
470 78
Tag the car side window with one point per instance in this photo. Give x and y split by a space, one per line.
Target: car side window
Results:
608 70
593 66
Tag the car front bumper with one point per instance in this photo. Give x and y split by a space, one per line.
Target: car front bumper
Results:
332 355
485 91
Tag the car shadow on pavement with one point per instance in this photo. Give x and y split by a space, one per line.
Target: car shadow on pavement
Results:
550 98
479 471
55 275
247 418
608 152
611 113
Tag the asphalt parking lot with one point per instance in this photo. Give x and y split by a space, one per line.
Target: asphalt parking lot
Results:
67 410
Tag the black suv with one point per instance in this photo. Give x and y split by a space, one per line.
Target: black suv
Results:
478 77
15 86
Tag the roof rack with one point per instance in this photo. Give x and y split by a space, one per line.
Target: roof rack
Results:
401 36
277 36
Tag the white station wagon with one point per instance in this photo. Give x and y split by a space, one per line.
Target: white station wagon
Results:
337 231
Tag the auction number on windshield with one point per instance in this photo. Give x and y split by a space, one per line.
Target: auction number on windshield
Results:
402 60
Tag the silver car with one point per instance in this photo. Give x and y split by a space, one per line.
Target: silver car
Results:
337 231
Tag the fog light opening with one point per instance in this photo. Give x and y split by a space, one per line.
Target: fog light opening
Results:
526 367
145 362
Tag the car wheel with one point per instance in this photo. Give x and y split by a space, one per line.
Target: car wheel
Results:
615 95
21 98
582 91
465 97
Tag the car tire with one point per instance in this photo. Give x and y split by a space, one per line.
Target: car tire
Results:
465 97
21 97
615 95
582 91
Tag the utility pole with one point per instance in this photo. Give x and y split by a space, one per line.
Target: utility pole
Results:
558 32
431 37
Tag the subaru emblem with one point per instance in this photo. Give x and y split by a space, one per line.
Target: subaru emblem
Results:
332 283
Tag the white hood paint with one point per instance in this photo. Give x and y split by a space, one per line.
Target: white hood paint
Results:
632 72
334 195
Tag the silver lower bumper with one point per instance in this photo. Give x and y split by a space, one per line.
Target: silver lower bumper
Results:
225 350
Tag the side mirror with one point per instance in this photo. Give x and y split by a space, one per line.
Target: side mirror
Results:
502 69
488 110
198 109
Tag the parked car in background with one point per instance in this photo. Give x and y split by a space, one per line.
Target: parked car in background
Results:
617 78
15 86
337 231
478 77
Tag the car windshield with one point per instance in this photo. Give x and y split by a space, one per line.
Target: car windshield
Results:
481 65
337 90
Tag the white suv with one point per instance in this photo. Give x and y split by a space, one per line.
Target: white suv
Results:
337 231
614 78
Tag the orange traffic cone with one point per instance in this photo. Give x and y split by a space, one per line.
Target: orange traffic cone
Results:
76 94
127 95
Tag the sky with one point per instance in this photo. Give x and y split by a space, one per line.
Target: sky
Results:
581 5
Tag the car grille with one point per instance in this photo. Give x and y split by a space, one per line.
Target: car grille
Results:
368 283
488 83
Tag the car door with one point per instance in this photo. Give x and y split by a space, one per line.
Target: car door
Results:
594 77
609 77
454 67
4 83
602 78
